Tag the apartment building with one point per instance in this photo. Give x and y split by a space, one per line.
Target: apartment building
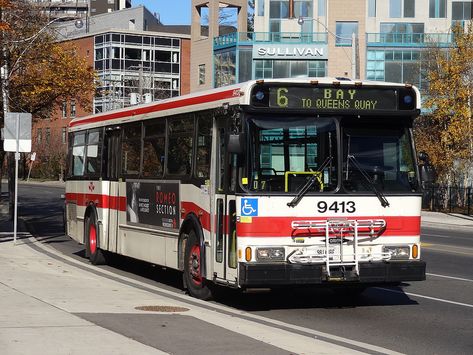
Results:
366 39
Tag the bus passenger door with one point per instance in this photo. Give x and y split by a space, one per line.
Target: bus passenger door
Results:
225 258
111 172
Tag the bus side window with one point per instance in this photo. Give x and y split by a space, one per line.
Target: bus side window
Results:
180 145
154 149
131 149
204 145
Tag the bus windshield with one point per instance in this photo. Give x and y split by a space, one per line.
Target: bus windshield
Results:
378 157
287 151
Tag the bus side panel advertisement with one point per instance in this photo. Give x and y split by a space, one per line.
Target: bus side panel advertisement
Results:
153 204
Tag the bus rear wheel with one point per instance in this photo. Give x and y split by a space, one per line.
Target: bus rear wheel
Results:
197 285
96 255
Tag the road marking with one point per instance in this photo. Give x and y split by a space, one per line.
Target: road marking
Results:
427 297
450 277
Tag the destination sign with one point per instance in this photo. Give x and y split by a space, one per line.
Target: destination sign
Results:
338 99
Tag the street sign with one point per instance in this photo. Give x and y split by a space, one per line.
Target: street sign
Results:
17 131
33 156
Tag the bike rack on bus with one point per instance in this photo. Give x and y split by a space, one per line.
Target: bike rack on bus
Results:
340 231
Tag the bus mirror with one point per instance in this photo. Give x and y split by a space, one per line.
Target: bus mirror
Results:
236 143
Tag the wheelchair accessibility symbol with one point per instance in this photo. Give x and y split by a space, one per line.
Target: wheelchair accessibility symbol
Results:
249 207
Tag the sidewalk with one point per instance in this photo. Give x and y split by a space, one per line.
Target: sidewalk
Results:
446 220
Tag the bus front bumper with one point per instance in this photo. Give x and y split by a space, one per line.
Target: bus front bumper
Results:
278 274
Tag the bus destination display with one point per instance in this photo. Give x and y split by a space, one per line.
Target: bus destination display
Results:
360 99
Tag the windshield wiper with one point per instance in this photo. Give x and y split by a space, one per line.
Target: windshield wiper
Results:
315 178
379 194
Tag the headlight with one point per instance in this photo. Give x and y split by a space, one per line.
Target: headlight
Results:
397 252
270 254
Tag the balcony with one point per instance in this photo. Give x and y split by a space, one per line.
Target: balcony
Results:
248 38
408 39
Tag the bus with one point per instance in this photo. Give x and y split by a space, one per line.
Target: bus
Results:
264 184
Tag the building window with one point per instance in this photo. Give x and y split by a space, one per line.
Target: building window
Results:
437 8
371 8
395 8
260 7
409 8
39 135
263 69
201 74
64 135
321 7
73 108
461 11
64 109
48 134
279 9
399 66
303 8
289 68
344 32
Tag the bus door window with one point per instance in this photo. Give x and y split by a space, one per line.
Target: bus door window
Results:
154 149
131 149
180 145
78 154
93 156
204 145
111 154
219 231
220 189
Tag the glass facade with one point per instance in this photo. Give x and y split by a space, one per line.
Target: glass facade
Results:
265 69
139 66
395 65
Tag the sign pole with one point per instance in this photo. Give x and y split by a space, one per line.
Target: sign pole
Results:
17 156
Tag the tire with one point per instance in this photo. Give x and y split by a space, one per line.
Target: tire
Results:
93 251
197 286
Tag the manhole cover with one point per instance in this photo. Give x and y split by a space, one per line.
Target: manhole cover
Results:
161 309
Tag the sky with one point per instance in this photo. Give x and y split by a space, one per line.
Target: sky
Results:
171 12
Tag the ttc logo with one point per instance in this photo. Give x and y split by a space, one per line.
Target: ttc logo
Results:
249 207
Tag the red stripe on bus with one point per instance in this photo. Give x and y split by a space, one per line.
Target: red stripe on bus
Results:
159 107
101 201
281 226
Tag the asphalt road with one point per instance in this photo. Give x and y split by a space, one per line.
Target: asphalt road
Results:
430 317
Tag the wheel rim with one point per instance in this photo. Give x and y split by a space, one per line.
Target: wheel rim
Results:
194 265
92 239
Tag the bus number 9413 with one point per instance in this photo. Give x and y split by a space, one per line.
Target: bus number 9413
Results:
337 207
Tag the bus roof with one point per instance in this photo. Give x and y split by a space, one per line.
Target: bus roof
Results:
213 98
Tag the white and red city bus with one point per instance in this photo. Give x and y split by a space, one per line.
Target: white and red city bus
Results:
267 183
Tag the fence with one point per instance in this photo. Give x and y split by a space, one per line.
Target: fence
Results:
448 199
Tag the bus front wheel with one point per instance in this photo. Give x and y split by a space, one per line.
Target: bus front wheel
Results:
96 255
197 286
